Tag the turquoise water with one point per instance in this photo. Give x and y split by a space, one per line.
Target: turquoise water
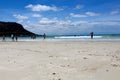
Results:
98 37
111 36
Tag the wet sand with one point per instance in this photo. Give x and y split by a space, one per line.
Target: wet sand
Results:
59 60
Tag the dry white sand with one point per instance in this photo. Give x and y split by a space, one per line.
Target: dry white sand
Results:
59 60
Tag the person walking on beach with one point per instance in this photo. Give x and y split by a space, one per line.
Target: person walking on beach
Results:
34 36
12 36
16 37
3 37
91 34
44 35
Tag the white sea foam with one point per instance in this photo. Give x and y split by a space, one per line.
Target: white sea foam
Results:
76 37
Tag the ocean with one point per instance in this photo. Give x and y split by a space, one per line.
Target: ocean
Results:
98 37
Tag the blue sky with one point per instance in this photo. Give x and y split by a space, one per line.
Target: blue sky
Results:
63 17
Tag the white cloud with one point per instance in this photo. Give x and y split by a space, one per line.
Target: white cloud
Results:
54 22
55 26
47 21
36 15
87 14
79 6
49 26
92 14
20 17
117 11
77 15
40 7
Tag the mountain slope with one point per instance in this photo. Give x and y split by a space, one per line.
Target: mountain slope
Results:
8 28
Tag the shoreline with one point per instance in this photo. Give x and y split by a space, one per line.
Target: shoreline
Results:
63 40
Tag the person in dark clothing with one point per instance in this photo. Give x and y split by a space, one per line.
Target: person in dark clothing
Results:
44 35
91 34
16 37
3 37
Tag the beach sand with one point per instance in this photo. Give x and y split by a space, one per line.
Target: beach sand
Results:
59 60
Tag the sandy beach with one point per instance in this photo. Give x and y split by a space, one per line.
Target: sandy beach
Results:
59 60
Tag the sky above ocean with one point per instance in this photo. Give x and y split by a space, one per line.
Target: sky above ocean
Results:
63 17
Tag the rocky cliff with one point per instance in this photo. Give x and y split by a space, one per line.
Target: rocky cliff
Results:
8 28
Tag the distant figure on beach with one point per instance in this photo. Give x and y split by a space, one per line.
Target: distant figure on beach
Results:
12 36
16 37
91 34
34 36
44 35
3 37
